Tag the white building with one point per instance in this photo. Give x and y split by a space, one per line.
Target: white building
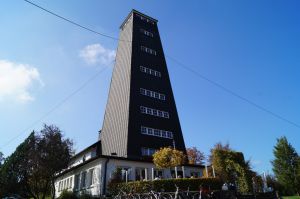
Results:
90 172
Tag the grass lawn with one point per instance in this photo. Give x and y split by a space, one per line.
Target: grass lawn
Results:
291 197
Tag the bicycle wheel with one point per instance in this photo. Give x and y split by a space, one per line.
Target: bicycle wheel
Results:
196 196
147 196
136 196
165 196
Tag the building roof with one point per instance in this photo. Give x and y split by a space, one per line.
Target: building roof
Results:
98 143
137 12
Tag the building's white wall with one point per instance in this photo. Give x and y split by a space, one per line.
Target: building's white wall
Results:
99 167
94 189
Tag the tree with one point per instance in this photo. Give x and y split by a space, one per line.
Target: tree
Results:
14 173
272 182
230 166
168 157
195 156
31 169
52 154
286 166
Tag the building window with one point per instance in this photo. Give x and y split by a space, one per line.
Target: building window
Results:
145 19
154 112
90 178
152 94
76 185
158 174
147 33
143 109
148 151
156 132
148 50
83 177
123 173
150 71
68 182
71 182
59 186
169 134
143 130
141 174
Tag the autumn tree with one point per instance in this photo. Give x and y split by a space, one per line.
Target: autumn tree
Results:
168 157
286 166
195 156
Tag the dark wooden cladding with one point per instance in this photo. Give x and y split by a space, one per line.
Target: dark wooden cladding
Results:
121 132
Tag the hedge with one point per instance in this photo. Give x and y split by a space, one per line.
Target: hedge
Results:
166 185
72 195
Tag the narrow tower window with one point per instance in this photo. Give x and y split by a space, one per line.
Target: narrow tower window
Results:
156 132
152 94
148 50
150 71
147 33
154 112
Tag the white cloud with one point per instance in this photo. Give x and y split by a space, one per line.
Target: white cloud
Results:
97 54
16 80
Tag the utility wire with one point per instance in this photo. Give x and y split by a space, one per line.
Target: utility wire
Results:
59 104
218 85
227 90
73 22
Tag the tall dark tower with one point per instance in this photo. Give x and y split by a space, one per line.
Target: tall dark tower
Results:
141 114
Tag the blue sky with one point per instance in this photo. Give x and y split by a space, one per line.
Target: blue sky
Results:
250 47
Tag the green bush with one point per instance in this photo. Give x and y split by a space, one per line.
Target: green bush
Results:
67 195
71 195
167 185
85 196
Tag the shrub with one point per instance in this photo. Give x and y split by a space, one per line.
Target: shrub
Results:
67 195
86 196
167 185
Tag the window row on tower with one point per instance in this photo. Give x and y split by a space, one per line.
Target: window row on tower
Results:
156 132
152 94
150 71
145 19
147 33
154 112
148 50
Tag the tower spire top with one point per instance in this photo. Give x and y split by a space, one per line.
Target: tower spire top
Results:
140 14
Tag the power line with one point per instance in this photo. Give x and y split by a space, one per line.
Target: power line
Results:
218 85
73 22
227 90
60 103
